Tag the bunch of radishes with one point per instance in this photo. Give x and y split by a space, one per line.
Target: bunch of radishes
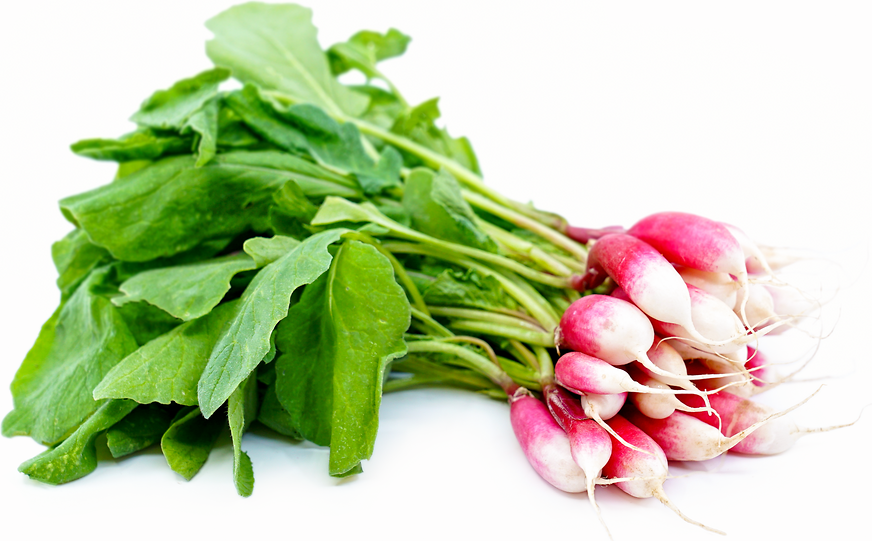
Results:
660 368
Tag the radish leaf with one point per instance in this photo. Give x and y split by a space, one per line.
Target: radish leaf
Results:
276 47
241 411
185 291
335 346
52 395
77 455
140 429
168 368
169 109
188 441
437 208
263 304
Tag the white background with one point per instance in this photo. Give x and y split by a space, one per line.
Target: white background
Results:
755 113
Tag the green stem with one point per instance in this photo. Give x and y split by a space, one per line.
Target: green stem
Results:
464 175
484 315
546 365
470 359
528 297
555 237
430 323
523 354
506 331
525 249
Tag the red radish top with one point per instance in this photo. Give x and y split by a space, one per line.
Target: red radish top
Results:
692 241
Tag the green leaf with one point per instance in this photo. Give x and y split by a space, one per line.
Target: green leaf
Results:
169 109
292 201
365 49
263 119
185 291
187 443
336 344
28 371
314 180
467 289
437 208
275 46
274 416
146 322
140 429
167 368
75 257
77 455
241 411
171 206
205 123
139 145
232 131
306 129
419 125
52 389
266 250
263 304
384 107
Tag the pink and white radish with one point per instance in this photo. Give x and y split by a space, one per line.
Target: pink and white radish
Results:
777 433
683 436
692 241
602 407
609 329
640 470
714 319
696 242
582 373
718 284
656 405
648 279
544 443
589 444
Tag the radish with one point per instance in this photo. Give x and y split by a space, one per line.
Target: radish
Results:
656 405
685 437
589 444
610 329
711 317
585 234
718 284
696 242
544 443
582 373
692 241
642 472
648 279
763 373
777 433
602 406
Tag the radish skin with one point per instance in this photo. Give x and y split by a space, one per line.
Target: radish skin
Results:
642 472
711 317
692 241
582 373
718 284
608 328
589 444
684 437
602 406
544 443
